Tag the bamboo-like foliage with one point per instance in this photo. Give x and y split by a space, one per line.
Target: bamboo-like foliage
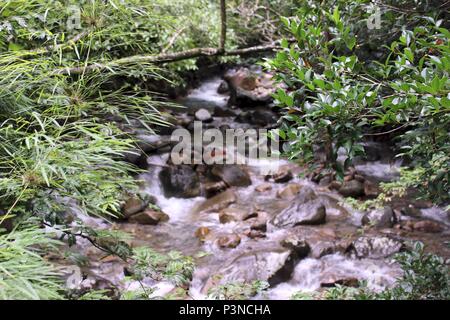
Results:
24 274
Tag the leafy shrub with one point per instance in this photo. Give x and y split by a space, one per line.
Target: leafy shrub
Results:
237 290
337 93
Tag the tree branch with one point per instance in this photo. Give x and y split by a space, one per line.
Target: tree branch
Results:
169 57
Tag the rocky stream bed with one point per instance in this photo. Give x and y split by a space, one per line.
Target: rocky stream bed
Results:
296 233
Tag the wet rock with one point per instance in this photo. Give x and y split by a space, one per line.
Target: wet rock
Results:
218 202
180 181
149 217
132 206
373 151
352 188
323 248
296 244
371 189
263 187
376 247
248 88
427 226
223 87
259 117
254 234
233 214
290 191
282 176
312 212
302 214
202 232
229 241
233 176
203 115
213 188
272 265
333 280
380 219
260 221
152 143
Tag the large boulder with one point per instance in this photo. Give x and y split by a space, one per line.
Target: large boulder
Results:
306 209
180 181
272 265
232 175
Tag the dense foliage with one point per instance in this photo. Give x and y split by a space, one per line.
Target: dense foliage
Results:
64 129
347 82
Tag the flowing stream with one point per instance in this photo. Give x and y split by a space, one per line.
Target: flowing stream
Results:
261 256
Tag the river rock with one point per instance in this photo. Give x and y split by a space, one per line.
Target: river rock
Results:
213 188
323 248
132 206
233 214
376 247
180 181
283 175
229 241
296 244
254 234
248 88
290 191
380 219
371 189
149 217
427 226
272 265
352 188
223 87
334 280
301 213
232 175
202 232
218 202
260 221
263 187
259 117
203 115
